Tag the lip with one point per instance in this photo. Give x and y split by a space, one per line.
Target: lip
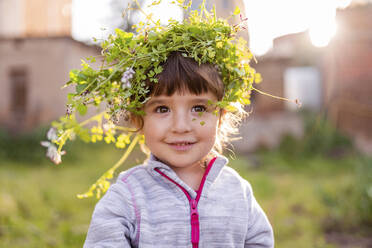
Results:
181 146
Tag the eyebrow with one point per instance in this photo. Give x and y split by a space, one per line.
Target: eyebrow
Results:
154 102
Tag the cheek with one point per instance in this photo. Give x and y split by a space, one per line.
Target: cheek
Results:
153 129
209 129
211 121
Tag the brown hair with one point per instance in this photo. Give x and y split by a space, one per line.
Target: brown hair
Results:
182 74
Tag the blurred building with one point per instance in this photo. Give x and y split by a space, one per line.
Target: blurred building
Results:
36 54
336 79
35 18
348 74
291 69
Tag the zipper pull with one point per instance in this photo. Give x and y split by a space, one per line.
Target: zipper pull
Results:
194 222
194 210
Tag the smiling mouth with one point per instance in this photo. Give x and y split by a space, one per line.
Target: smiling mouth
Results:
182 146
182 143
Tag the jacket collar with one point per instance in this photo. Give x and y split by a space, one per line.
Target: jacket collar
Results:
152 163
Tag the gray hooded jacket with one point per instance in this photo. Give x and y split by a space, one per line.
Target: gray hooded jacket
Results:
150 206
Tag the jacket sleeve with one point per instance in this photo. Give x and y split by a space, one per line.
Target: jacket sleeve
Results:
259 232
112 223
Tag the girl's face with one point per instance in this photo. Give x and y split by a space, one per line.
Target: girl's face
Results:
180 129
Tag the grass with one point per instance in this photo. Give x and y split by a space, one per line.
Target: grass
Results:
294 198
306 194
38 204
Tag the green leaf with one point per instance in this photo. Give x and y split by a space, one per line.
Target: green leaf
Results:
79 88
158 69
195 30
83 134
151 74
70 96
82 109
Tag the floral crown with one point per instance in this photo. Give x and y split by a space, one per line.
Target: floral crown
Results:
128 60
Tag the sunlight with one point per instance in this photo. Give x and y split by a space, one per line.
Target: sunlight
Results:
268 19
320 36
95 18
323 27
89 19
343 3
162 12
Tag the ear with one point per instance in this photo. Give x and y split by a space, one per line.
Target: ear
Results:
136 122
140 131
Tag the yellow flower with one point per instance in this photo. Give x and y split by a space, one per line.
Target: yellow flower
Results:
97 100
257 78
142 140
109 138
96 134
122 141
97 130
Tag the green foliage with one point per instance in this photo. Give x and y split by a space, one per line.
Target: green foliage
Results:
363 190
320 138
350 203
38 207
325 151
202 36
23 147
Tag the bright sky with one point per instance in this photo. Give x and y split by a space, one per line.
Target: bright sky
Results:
267 19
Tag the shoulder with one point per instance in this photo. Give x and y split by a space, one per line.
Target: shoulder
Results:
132 173
120 189
136 180
235 179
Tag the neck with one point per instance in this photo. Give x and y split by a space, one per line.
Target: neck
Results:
193 174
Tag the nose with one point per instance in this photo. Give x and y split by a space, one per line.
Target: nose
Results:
181 122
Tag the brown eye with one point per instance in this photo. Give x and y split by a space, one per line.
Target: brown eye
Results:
161 109
199 108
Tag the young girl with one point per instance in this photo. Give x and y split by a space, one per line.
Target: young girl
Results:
185 194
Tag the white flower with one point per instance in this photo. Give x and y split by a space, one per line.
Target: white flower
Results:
127 76
52 152
52 134
108 126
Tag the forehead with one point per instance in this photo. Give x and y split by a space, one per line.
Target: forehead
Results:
182 97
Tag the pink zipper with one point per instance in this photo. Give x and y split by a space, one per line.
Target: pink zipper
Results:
194 215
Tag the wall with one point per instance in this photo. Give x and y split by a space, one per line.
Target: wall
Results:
47 62
348 64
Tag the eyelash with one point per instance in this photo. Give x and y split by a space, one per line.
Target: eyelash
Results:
202 106
159 109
